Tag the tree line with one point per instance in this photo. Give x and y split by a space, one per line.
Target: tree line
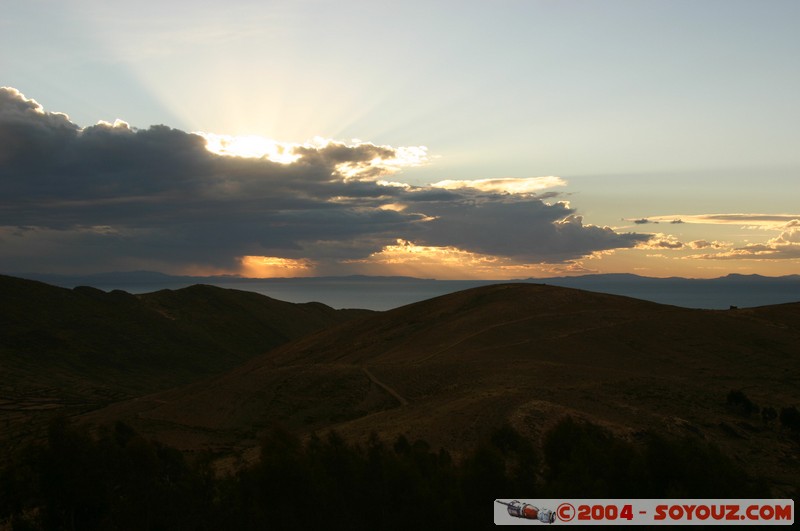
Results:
118 480
741 404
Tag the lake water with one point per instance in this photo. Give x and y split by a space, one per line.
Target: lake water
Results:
387 293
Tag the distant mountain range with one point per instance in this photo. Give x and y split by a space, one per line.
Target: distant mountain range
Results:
383 293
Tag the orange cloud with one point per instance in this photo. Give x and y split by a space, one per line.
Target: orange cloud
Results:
661 241
785 246
408 258
273 266
763 221
527 185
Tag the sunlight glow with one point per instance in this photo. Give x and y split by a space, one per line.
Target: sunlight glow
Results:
404 157
357 169
756 221
405 251
118 125
526 185
396 207
273 266
427 261
250 146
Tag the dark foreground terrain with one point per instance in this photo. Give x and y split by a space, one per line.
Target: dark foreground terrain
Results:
66 351
451 369
518 389
115 479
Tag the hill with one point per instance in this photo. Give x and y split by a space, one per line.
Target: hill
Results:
385 293
452 368
69 350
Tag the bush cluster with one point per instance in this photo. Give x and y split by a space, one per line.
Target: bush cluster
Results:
789 416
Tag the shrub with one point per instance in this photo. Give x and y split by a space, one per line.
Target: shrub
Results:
739 402
790 418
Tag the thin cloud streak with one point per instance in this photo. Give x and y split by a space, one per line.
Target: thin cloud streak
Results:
766 221
527 185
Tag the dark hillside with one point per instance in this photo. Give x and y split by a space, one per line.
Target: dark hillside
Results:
65 350
451 369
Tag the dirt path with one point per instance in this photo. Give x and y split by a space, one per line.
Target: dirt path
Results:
403 401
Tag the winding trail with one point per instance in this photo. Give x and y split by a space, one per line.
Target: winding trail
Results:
403 401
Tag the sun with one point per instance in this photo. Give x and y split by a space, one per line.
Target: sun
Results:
249 146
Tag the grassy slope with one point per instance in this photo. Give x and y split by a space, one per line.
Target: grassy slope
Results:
67 350
527 354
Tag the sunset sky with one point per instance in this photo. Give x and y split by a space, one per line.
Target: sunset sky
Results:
452 139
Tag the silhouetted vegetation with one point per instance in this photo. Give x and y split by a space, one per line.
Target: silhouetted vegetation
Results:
585 460
739 402
768 414
790 418
118 480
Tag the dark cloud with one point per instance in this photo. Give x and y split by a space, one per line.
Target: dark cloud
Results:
668 244
644 221
111 196
705 244
526 228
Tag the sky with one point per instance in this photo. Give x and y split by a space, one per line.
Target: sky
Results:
493 139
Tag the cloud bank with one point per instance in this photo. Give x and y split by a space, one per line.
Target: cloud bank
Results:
785 246
111 196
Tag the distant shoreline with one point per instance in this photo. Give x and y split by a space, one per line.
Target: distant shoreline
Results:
384 293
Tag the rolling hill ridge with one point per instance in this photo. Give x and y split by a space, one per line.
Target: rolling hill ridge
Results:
452 368
68 350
